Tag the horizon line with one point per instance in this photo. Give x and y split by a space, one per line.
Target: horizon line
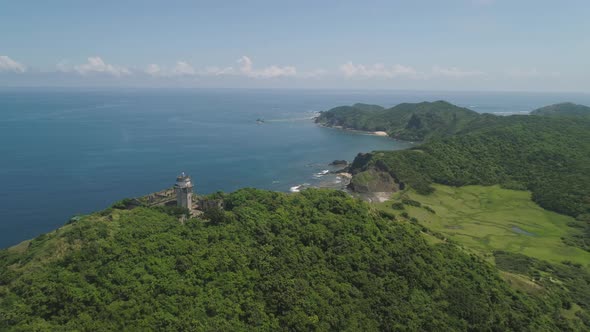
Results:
102 87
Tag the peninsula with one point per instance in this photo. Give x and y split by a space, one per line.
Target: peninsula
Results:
410 122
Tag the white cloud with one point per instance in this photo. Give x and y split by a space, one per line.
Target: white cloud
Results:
377 70
275 71
530 73
247 69
455 72
183 69
7 64
153 70
316 73
97 65
217 71
245 64
63 66
382 71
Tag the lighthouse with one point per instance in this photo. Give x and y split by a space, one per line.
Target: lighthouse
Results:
184 191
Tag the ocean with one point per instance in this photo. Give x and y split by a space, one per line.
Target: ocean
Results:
65 152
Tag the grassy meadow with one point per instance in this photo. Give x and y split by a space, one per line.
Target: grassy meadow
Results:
489 218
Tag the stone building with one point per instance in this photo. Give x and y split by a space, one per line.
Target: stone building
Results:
209 203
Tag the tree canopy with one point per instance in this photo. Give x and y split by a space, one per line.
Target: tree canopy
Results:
316 260
548 156
407 121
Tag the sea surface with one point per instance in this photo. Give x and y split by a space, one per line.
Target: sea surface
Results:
73 151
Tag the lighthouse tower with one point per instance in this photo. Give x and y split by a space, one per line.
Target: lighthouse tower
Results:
184 191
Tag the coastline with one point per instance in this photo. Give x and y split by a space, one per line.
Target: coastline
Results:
364 132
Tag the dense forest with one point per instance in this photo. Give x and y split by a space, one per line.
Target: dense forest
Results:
411 122
316 260
563 109
549 155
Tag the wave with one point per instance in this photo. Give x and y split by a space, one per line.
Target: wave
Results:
320 174
298 188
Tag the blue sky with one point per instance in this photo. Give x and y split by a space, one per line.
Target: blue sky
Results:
531 45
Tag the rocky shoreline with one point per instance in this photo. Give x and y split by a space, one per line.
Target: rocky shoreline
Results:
343 183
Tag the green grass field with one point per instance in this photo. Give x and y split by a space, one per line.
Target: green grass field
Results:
491 218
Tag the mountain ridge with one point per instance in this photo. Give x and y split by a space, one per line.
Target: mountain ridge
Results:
405 121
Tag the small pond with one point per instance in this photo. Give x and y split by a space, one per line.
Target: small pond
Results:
522 231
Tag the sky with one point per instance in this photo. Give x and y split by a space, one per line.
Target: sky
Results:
497 45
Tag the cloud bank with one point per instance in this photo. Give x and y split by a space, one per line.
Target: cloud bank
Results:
97 65
454 72
9 65
245 72
377 70
245 68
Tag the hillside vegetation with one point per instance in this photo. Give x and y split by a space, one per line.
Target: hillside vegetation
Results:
550 156
505 227
317 260
412 122
563 109
490 218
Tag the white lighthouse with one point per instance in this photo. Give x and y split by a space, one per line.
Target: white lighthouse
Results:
184 191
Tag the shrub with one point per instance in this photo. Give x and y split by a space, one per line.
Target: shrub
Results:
411 202
429 209
397 206
125 204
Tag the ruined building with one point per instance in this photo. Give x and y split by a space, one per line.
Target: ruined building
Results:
184 191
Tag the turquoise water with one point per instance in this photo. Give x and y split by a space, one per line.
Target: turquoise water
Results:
67 151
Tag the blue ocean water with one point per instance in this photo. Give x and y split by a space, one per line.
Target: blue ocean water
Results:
71 151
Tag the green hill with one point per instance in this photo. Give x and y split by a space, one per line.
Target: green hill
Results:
563 109
490 218
317 260
413 122
549 156
504 226
546 155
